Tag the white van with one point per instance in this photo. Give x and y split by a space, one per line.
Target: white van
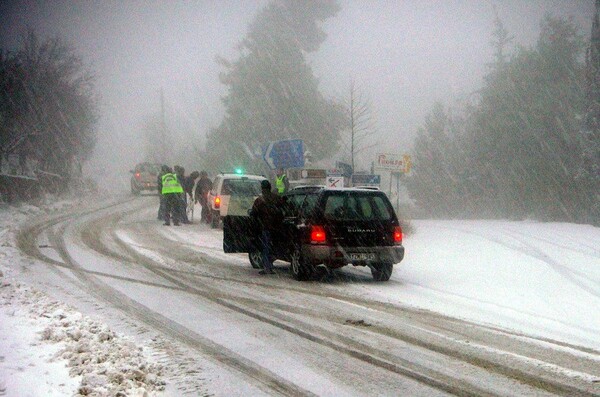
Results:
232 194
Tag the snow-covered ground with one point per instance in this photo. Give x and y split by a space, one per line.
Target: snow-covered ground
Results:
49 349
539 279
536 278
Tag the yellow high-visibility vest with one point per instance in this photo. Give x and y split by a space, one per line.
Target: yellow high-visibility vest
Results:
280 184
170 184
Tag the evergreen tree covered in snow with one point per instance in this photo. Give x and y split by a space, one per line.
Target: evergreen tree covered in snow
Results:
272 92
589 173
519 143
48 109
525 127
436 182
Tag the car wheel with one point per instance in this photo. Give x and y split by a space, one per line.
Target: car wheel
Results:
301 270
382 271
256 259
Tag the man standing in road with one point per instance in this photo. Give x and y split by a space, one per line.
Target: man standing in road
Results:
281 181
171 191
268 212
203 186
182 205
188 187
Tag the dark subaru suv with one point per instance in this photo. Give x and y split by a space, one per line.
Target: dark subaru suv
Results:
331 227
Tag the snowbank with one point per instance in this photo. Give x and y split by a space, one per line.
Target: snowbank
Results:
48 348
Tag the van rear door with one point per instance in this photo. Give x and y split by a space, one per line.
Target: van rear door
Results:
240 234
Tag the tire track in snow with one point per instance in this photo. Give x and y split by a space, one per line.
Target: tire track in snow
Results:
508 371
351 353
306 331
100 290
219 263
594 250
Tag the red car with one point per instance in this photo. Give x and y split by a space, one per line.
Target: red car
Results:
145 177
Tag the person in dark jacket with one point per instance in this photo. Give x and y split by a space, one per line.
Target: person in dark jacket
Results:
182 204
189 181
202 188
188 188
268 212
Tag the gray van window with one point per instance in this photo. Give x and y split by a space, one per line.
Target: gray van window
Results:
241 187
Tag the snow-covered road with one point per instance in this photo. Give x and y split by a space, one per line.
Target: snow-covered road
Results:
476 307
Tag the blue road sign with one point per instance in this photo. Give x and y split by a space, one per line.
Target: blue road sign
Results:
366 179
285 154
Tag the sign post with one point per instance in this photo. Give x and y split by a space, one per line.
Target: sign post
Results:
397 174
285 154
396 165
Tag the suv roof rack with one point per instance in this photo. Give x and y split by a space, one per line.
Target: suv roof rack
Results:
308 187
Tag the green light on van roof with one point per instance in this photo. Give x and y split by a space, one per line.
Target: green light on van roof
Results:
239 171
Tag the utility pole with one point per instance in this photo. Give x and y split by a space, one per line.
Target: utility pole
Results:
163 127
352 126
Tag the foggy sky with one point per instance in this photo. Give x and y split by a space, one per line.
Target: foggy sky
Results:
405 55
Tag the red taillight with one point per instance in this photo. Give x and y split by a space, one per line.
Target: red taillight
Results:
217 202
317 235
397 235
137 175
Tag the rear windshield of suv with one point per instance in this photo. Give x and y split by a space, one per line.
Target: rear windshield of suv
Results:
356 206
241 187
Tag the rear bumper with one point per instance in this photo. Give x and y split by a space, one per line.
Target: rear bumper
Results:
336 256
145 186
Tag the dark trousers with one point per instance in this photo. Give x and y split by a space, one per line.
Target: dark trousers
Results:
183 208
205 214
265 240
162 208
172 207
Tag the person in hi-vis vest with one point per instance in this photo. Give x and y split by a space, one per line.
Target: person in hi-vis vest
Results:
281 181
171 190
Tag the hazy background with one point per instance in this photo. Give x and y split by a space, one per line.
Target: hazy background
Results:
405 55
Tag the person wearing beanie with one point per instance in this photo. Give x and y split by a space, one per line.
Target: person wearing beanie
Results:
268 212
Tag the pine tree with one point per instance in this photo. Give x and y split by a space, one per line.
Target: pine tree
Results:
516 151
48 105
272 92
589 173
525 129
434 181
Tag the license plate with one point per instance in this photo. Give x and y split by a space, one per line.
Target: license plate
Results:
362 256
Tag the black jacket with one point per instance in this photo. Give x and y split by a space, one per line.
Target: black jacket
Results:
202 188
268 210
188 184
